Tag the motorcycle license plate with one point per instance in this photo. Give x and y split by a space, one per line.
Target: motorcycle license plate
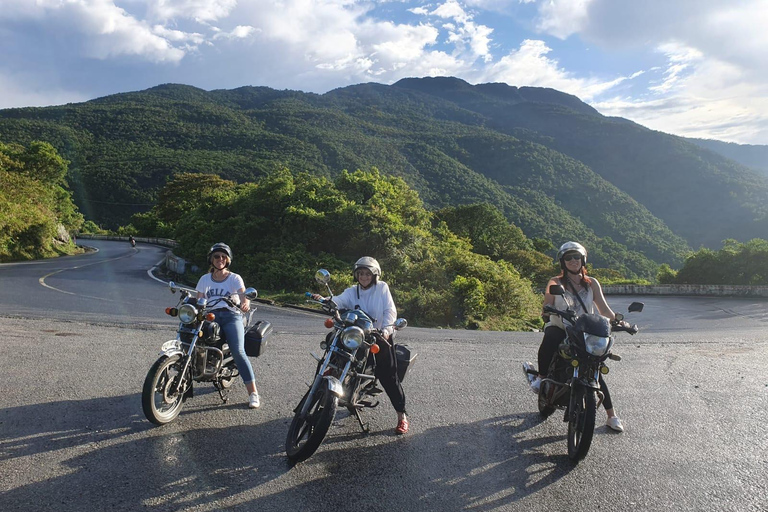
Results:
171 346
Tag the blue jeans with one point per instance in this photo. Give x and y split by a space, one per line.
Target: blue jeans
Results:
234 331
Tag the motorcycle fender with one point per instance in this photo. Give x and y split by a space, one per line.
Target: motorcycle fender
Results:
335 386
171 348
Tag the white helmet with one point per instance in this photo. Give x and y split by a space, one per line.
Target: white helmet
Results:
571 247
369 263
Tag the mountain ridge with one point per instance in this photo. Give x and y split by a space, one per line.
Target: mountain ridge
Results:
552 164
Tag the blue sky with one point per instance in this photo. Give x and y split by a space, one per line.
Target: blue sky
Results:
696 68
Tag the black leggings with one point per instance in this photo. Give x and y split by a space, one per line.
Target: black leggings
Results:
386 372
553 337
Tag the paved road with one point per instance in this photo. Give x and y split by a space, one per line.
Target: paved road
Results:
79 334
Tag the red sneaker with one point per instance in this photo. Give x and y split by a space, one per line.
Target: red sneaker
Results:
402 426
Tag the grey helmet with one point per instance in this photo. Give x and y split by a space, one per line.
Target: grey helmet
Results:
369 263
220 247
571 247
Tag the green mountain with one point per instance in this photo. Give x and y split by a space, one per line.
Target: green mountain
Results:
553 165
750 155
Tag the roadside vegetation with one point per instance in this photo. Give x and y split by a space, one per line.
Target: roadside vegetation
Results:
37 214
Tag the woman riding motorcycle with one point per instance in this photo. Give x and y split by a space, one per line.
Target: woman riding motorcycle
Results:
373 296
584 296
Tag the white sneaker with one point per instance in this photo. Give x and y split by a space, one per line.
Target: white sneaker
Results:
536 384
253 400
614 423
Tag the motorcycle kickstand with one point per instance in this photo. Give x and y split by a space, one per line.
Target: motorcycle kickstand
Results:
363 426
223 393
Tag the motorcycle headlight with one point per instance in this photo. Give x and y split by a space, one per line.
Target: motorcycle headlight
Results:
596 345
187 314
352 337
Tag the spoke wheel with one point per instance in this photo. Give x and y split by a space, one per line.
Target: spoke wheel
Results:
158 401
581 422
305 434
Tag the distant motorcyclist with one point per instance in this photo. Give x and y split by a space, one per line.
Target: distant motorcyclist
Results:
585 296
132 240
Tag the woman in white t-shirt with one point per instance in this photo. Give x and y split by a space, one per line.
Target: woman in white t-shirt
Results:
220 282
373 296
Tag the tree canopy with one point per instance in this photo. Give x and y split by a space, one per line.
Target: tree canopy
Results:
286 225
36 209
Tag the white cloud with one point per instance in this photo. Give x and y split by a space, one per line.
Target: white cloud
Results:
239 32
96 28
701 63
529 65
715 74
561 18
199 10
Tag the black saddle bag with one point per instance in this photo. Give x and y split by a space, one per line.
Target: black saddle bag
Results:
405 357
256 338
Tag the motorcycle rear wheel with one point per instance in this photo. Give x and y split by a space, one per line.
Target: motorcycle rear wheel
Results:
159 404
306 434
581 422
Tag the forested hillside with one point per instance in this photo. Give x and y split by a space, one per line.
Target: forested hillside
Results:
750 155
37 214
554 166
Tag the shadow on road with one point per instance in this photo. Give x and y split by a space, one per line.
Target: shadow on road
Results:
120 462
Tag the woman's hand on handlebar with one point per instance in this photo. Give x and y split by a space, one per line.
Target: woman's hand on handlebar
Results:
318 297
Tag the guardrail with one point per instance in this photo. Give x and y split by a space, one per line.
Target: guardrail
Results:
700 290
165 242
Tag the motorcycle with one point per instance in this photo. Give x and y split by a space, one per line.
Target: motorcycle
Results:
133 242
345 375
199 353
571 382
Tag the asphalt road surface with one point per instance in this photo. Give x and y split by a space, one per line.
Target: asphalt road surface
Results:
79 334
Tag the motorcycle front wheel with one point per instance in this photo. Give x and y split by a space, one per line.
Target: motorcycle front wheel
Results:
160 404
581 422
306 434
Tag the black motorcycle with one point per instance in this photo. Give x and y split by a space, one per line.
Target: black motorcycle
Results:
344 376
571 382
199 353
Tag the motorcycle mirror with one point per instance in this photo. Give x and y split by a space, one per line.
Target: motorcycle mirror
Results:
251 293
400 323
172 286
322 276
556 289
636 306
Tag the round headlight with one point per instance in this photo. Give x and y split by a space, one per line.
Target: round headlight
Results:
187 313
596 345
352 337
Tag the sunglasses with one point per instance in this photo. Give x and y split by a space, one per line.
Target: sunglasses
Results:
569 257
218 256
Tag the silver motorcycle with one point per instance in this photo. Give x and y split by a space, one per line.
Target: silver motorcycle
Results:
345 375
199 353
